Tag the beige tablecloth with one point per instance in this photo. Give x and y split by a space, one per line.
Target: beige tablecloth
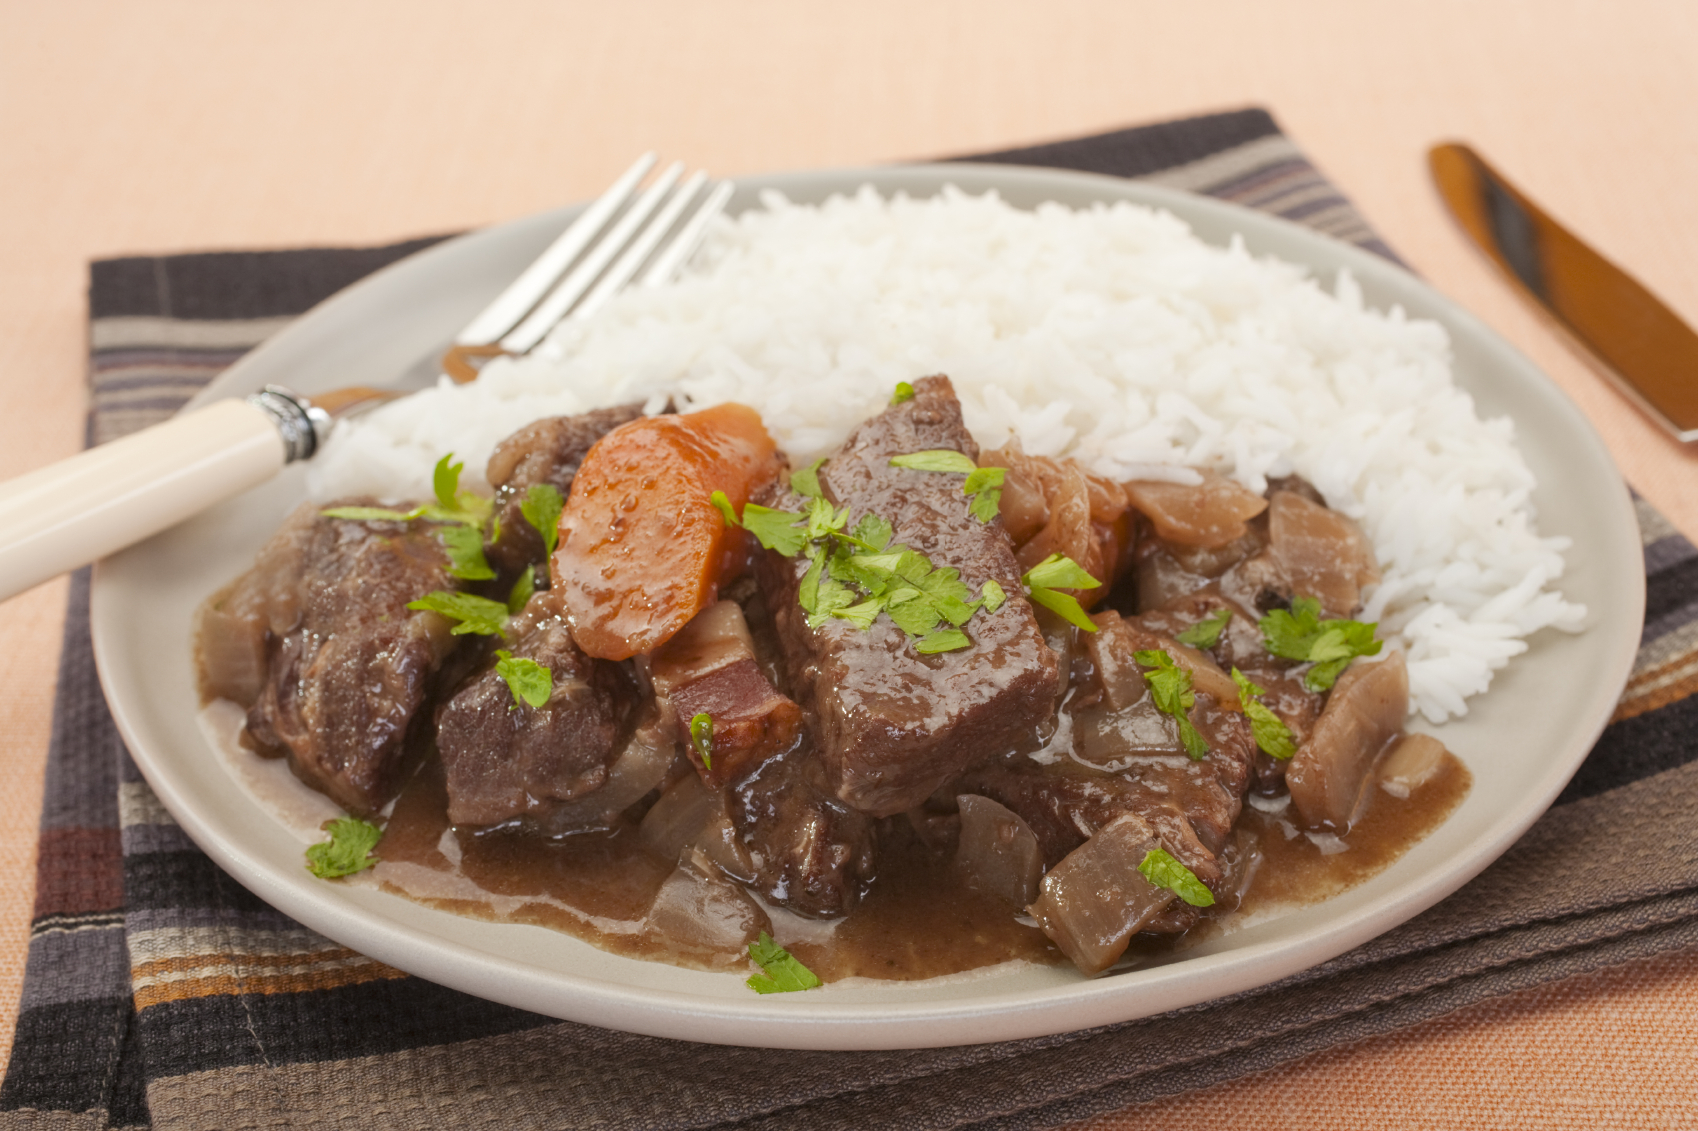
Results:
185 126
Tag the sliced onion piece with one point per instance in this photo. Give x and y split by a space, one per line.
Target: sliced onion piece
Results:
1209 514
1410 763
1095 900
998 852
678 817
1364 712
705 916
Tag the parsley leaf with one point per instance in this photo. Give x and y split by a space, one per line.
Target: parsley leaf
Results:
723 505
904 392
823 519
822 595
1063 605
370 514
465 552
783 974
984 486
936 459
347 851
775 530
475 614
452 504
992 595
528 680
944 640
701 737
520 595
1162 870
874 531
1330 645
806 482
1206 632
1272 735
445 481
911 611
1170 687
1060 572
541 507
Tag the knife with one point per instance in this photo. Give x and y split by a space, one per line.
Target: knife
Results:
1628 333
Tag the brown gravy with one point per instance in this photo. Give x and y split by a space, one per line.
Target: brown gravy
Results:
919 921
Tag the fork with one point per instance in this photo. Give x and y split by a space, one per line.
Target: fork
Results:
96 503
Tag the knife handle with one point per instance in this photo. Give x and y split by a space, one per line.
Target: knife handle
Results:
69 513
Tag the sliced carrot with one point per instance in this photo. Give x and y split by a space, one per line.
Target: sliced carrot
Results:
642 547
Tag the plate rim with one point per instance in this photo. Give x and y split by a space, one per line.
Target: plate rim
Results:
819 1022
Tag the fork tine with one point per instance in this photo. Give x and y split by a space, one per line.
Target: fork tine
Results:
570 289
522 293
641 248
668 262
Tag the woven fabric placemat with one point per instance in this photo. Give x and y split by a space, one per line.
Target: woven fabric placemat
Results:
159 992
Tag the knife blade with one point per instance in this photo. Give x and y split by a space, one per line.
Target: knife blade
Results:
1628 333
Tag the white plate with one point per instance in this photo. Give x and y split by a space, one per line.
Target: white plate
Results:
1522 741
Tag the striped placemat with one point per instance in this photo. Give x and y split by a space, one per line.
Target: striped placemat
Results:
159 992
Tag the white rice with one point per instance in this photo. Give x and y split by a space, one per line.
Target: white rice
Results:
1111 335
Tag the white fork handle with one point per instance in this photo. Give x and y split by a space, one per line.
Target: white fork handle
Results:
72 512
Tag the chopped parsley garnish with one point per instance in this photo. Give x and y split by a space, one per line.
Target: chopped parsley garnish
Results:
1272 735
465 552
541 507
1330 645
984 487
461 514
528 680
1206 632
943 640
1162 870
936 459
1058 571
855 575
701 737
372 514
874 532
774 530
453 504
520 595
992 595
806 482
904 392
783 974
724 507
473 614
1170 687
347 851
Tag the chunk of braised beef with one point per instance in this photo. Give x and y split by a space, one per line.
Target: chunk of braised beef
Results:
548 452
808 851
892 725
1127 757
348 665
710 668
506 759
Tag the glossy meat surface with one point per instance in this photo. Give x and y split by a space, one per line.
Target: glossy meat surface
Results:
348 664
893 725
505 759
809 851
710 669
